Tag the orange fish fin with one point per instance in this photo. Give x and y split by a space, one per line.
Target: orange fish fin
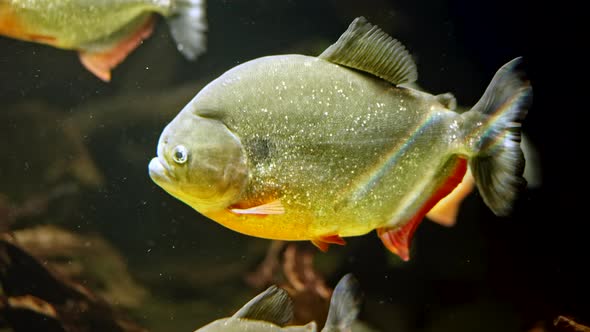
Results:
323 246
274 207
324 241
42 39
332 239
101 63
446 210
398 239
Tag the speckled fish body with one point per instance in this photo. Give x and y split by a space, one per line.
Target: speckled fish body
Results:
343 151
99 26
295 147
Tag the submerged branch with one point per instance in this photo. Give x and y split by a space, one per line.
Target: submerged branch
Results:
38 299
564 324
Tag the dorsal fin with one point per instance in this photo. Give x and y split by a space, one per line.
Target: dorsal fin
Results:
365 47
273 305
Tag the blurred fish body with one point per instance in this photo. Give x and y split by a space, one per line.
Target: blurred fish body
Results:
293 147
272 309
103 31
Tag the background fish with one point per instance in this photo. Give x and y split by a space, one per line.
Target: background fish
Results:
272 309
104 32
293 147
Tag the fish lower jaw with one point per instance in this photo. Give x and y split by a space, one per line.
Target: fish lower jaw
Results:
159 174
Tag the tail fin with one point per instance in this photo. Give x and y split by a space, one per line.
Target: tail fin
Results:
344 305
498 161
188 26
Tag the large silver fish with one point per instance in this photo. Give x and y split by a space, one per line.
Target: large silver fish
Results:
272 309
294 147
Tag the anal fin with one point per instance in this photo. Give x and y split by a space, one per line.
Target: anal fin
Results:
101 63
398 239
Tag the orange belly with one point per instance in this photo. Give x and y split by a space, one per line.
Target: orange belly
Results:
286 227
11 25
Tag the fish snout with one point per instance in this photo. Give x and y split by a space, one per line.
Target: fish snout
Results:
159 171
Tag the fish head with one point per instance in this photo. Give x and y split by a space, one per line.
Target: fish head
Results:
200 161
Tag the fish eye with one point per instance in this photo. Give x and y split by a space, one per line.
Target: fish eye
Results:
180 154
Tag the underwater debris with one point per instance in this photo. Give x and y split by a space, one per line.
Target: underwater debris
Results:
33 206
307 288
290 266
35 298
265 272
85 259
565 324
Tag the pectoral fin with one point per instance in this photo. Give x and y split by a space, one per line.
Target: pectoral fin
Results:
101 63
274 207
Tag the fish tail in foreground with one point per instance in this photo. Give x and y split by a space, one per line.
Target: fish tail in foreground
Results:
493 136
344 305
188 26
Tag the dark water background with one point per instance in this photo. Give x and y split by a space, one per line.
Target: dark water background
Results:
484 274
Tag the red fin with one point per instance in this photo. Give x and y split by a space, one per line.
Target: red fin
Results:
101 63
323 246
324 241
398 240
333 239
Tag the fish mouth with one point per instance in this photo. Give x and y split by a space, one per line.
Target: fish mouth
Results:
158 171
